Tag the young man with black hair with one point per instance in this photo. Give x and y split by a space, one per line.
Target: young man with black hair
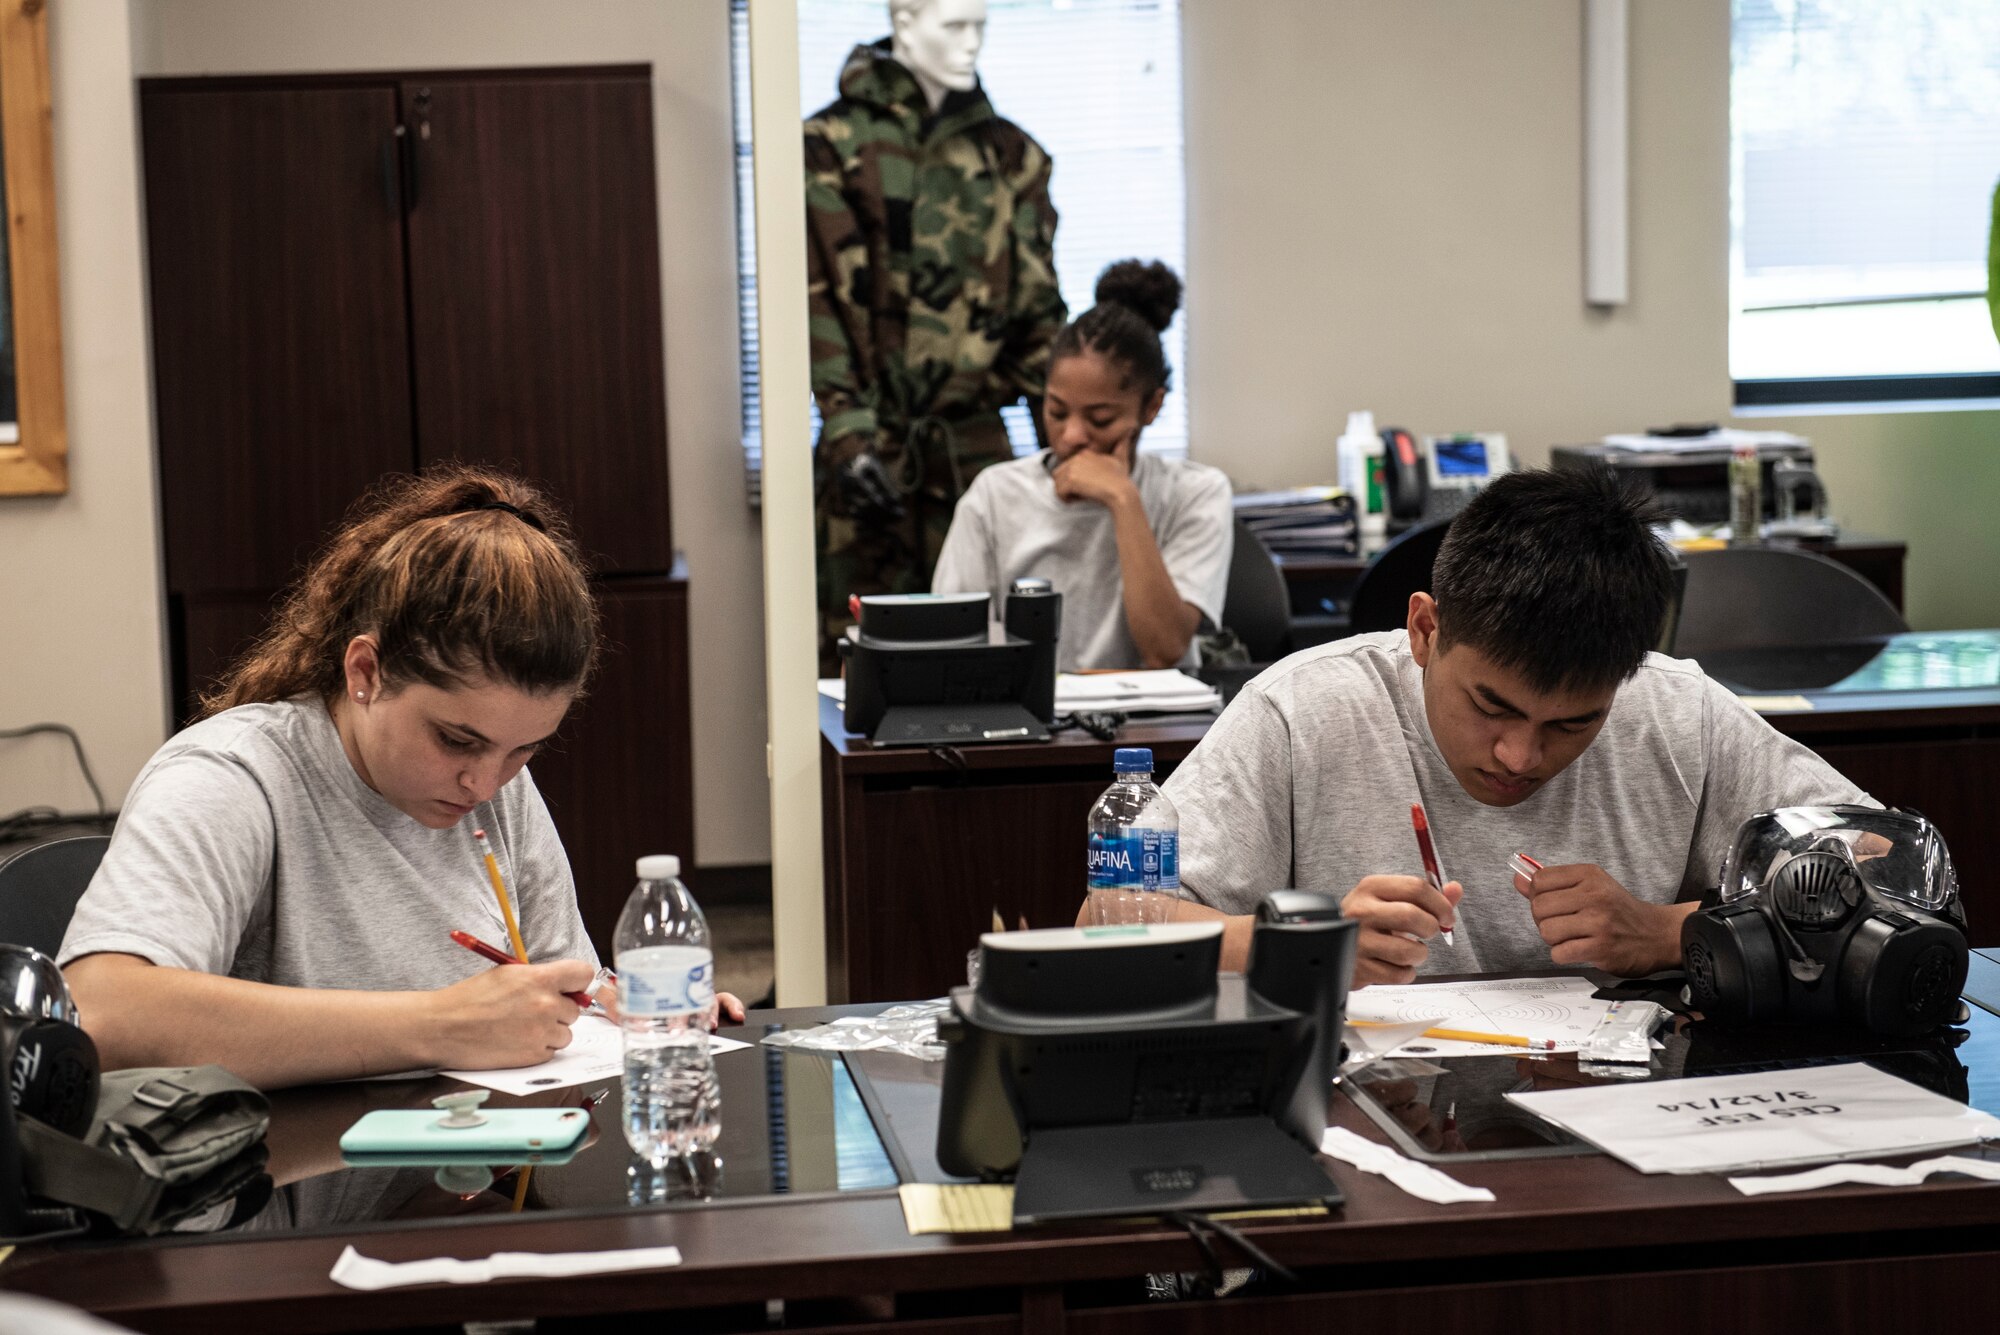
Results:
1522 708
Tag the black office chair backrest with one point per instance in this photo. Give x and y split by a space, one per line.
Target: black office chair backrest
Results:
39 888
1257 606
1382 594
1758 597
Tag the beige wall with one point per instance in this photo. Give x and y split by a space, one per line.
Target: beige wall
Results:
1385 212
687 44
80 615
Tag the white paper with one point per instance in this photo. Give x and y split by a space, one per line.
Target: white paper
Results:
363 1272
1544 1009
1165 690
1723 439
1418 1179
1716 1124
596 1051
1867 1174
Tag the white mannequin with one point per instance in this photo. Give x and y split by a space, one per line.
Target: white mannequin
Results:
938 42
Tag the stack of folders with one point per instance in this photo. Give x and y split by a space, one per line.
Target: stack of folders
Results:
1303 521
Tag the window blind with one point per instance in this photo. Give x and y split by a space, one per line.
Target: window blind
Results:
1865 148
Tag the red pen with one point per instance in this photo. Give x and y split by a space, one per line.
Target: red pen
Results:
1432 873
497 956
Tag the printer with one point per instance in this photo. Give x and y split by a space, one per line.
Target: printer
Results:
1688 468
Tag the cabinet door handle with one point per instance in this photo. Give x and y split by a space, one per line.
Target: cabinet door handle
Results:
392 171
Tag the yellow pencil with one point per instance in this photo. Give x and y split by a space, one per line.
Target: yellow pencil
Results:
1466 1035
500 893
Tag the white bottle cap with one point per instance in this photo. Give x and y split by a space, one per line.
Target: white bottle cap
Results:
1361 422
659 867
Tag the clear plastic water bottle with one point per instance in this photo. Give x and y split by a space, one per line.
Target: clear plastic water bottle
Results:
1135 837
666 993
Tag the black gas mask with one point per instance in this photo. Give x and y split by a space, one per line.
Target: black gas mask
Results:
1832 915
50 1064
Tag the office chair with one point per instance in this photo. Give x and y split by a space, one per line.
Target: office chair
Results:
1770 597
40 885
1257 605
1382 594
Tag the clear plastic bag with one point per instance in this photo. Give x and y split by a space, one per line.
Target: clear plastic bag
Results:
910 1030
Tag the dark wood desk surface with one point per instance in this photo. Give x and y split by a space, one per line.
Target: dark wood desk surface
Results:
1566 1243
1171 735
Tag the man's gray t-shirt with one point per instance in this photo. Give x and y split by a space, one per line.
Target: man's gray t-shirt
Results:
1011 523
1307 778
249 847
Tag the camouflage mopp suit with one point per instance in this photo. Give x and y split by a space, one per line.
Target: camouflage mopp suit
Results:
933 301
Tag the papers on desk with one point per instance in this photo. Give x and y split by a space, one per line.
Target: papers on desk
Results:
1867 1175
1718 1124
1557 1010
365 1272
1164 691
596 1051
1418 1179
1725 438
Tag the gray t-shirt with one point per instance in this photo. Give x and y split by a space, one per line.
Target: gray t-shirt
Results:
249 847
1307 778
1011 523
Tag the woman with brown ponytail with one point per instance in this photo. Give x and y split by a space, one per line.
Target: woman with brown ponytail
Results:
1137 545
280 891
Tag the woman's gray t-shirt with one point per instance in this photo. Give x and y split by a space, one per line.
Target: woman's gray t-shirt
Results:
249 847
1011 523
1307 778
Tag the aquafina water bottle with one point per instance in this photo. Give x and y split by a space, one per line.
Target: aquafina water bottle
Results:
666 995
1135 837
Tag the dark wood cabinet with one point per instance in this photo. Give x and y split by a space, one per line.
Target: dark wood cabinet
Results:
360 275
534 296
281 363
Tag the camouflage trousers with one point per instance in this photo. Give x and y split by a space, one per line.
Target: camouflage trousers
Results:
856 557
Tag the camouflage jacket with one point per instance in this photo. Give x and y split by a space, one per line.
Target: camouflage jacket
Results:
931 264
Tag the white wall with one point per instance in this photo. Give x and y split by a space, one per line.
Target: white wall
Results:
687 44
81 610
1385 212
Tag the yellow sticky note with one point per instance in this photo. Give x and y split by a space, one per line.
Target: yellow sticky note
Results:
1776 704
967 1207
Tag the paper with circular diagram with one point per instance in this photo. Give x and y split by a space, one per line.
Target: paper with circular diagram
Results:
1560 1010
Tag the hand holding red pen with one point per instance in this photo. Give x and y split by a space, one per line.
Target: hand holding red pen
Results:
1398 916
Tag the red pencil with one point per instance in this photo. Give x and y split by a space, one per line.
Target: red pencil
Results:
1432 873
498 956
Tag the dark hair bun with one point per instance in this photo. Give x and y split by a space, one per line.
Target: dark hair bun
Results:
1148 288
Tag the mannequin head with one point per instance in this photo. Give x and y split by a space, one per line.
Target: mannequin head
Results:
938 41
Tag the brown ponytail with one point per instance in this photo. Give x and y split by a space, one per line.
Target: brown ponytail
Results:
460 573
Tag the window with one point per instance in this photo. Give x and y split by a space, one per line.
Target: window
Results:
1865 145
1096 82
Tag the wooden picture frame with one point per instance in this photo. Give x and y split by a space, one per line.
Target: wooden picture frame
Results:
36 463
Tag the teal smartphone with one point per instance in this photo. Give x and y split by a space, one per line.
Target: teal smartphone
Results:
506 1131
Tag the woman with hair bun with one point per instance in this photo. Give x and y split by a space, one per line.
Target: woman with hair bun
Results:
1138 545
280 891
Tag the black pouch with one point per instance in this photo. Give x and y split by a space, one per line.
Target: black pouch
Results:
166 1144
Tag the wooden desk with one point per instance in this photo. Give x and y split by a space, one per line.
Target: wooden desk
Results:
919 852
1567 1244
923 845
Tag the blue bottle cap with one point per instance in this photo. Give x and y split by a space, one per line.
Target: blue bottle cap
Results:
1132 760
